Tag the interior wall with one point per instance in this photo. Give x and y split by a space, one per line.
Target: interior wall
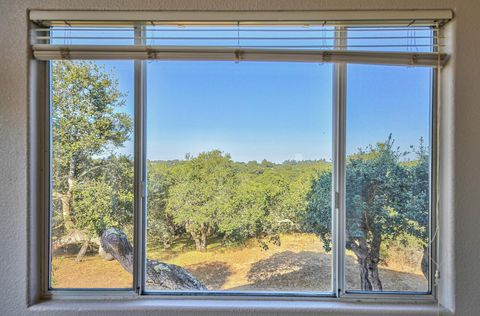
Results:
459 144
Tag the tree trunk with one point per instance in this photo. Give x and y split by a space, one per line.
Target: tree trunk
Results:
66 211
160 275
82 251
361 252
67 197
375 277
365 284
425 260
196 239
200 239
203 240
373 261
224 240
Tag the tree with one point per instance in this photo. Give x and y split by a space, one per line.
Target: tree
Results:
111 180
86 124
318 217
200 193
255 207
378 188
161 227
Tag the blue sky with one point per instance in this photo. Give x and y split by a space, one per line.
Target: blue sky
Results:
272 110
276 111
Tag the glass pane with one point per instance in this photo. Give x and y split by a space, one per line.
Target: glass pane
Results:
80 35
239 176
92 173
252 36
391 39
387 178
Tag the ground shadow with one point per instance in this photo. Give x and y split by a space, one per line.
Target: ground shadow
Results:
291 271
311 271
213 274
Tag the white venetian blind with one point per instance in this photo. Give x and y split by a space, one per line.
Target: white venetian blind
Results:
402 38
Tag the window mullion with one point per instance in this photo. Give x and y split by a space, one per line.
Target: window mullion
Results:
338 192
140 167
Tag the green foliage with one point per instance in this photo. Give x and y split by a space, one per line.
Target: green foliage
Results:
160 225
384 196
212 195
95 192
116 171
375 193
84 117
386 201
200 193
93 205
319 210
258 207
104 197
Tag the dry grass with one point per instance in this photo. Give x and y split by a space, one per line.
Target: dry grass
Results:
298 264
91 272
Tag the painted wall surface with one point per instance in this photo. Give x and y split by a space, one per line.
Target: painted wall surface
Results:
460 157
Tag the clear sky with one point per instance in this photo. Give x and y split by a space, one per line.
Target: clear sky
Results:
272 110
252 110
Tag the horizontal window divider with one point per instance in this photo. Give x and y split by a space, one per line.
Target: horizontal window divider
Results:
141 52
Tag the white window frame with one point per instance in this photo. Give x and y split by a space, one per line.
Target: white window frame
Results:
338 194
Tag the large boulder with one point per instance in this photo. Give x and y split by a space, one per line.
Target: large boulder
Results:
160 275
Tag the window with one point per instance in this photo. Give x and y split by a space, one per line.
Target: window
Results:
229 170
387 177
91 106
240 157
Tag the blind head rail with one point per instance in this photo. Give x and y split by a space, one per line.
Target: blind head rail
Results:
372 37
385 17
138 52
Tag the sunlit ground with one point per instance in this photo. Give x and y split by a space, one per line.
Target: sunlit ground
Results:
298 264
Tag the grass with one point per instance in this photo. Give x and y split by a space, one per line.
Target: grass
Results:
298 264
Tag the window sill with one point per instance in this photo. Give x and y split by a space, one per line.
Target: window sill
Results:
233 307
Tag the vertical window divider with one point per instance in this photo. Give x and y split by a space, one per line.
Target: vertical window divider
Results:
338 192
139 166
433 233
48 184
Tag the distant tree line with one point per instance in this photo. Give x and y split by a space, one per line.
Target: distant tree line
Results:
211 195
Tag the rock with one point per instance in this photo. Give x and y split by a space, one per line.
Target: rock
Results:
164 276
160 275
116 243
105 255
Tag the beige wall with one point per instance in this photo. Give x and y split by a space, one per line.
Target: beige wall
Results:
460 144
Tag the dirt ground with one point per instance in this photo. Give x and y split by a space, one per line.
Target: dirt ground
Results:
298 264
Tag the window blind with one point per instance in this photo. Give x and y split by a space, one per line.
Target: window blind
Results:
408 38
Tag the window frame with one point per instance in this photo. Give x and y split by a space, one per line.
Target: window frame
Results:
138 290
